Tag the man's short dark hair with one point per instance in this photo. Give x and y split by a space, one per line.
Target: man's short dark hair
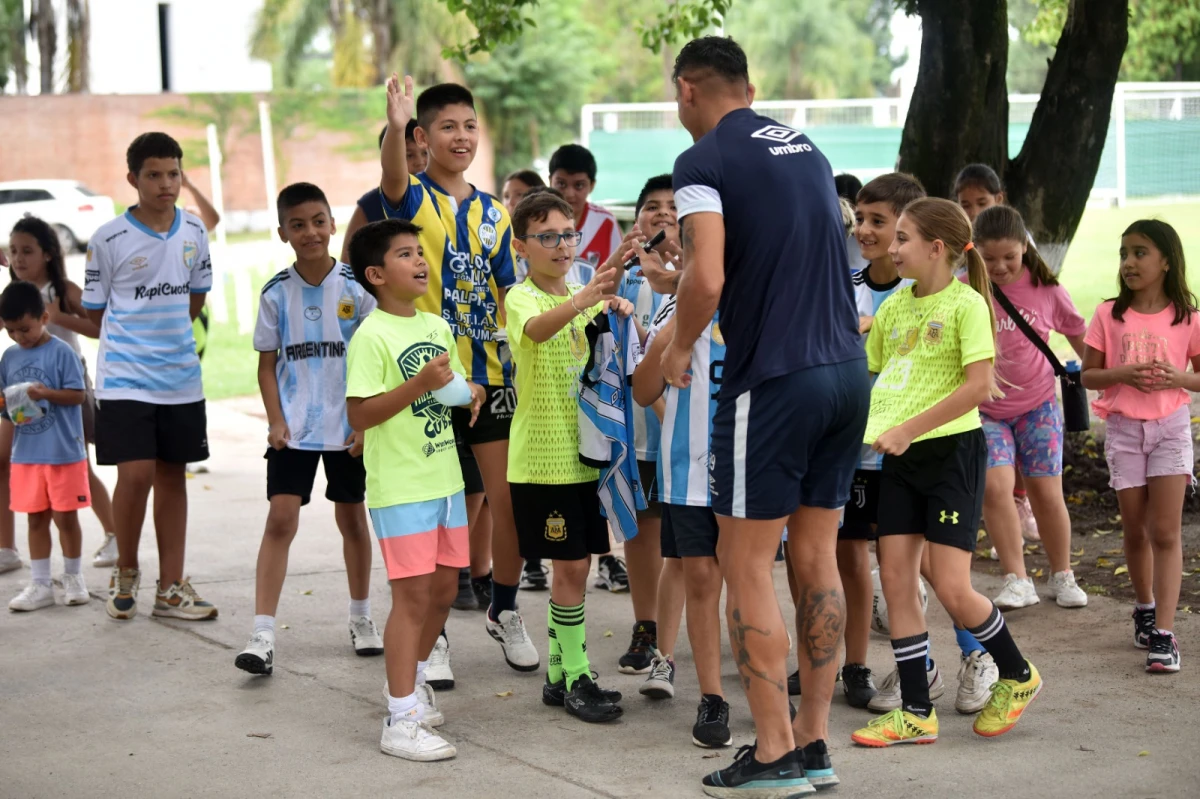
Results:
897 189
712 55
574 158
435 98
847 186
298 194
151 145
536 206
408 132
371 243
20 299
656 183
528 177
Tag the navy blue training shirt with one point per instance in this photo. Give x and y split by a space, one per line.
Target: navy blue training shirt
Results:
788 302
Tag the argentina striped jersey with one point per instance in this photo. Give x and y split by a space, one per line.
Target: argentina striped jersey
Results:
646 302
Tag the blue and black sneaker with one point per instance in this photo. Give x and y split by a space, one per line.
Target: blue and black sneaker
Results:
746 777
818 768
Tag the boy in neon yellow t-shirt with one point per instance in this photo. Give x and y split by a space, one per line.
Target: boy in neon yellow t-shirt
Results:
402 366
554 497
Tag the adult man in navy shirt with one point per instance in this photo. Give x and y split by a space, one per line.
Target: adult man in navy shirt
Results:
763 240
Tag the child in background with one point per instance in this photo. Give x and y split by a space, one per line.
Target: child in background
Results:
1138 350
397 360
517 185
302 379
932 346
978 188
1026 426
370 206
37 257
553 494
49 472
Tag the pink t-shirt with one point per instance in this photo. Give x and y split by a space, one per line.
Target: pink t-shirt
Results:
1022 371
1142 338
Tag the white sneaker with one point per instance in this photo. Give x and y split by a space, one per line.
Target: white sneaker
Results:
519 651
413 740
438 673
365 636
259 655
75 590
888 698
433 717
35 597
106 555
1067 592
1017 593
1029 528
10 560
976 676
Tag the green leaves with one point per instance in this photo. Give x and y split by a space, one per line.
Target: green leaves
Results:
684 19
496 22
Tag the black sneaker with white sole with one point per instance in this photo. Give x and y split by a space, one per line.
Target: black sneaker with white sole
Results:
858 685
611 574
780 779
1163 657
554 694
711 729
586 701
638 658
534 577
1143 626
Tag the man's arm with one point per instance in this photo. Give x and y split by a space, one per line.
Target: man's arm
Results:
703 238
392 155
208 214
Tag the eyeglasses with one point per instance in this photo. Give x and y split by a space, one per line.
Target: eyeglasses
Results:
551 240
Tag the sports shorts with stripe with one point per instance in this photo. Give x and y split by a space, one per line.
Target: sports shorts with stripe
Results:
417 537
791 440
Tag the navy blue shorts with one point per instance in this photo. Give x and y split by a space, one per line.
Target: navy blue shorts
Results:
792 440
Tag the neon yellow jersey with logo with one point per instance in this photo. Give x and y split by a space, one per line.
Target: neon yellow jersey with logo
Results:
543 445
468 247
412 456
919 347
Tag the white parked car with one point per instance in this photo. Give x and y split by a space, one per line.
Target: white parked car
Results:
72 209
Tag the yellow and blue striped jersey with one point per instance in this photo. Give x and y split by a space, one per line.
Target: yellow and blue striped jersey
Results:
469 251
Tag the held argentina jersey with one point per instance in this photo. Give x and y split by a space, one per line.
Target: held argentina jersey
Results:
143 280
868 296
646 302
310 327
687 421
468 248
601 234
787 303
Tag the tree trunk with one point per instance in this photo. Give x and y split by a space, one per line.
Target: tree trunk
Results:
78 35
20 56
381 39
1049 182
959 109
42 19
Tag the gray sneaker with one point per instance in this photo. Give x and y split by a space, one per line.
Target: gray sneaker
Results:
661 682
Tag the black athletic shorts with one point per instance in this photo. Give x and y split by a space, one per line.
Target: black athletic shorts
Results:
648 475
292 471
559 522
472 479
862 509
131 430
689 532
495 418
935 489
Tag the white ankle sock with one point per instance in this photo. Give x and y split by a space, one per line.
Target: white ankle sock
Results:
264 624
71 565
41 570
408 708
422 665
360 607
1140 606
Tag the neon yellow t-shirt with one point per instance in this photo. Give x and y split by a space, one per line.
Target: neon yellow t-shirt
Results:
412 456
919 347
543 444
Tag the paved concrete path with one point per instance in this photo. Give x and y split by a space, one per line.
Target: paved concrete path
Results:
150 708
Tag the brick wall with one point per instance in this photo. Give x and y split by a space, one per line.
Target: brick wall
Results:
84 137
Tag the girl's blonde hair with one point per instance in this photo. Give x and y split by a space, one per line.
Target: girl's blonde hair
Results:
847 214
941 220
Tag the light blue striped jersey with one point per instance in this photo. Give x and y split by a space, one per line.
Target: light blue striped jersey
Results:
868 296
309 327
687 421
646 302
144 280
581 271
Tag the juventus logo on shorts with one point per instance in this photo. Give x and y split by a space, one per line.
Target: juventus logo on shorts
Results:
860 496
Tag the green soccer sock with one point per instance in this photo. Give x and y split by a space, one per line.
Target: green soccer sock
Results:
572 640
554 670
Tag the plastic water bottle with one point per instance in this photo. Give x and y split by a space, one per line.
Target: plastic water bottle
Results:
1073 367
454 394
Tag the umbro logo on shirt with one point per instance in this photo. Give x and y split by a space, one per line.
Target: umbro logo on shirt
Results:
783 135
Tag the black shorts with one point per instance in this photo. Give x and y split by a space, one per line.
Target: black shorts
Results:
648 475
935 489
689 532
559 522
862 509
292 471
790 441
495 418
131 430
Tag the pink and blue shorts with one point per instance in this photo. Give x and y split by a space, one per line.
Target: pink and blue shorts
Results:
417 537
1033 440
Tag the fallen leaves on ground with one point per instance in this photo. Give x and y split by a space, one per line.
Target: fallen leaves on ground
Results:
1120 570
504 694
258 735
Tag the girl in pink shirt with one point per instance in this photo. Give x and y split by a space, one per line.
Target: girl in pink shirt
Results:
1025 427
1138 349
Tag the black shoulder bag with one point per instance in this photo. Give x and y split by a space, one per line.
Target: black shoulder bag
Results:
1074 395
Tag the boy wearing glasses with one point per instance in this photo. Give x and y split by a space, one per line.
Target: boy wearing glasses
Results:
556 507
